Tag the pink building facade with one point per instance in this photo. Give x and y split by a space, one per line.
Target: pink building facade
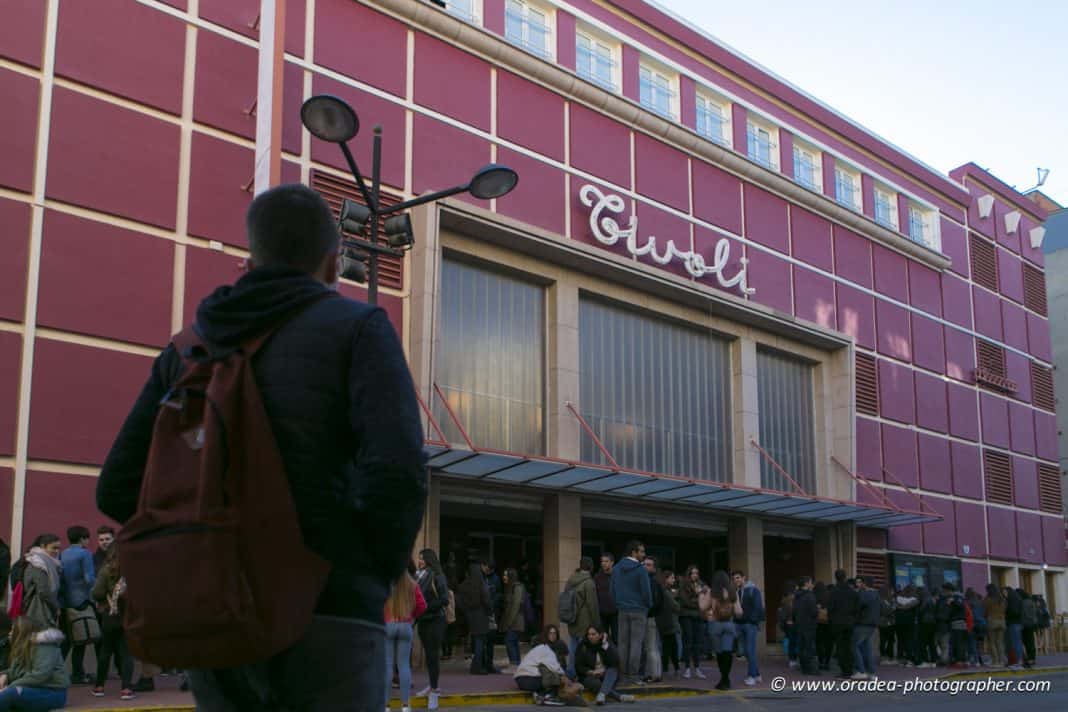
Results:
866 330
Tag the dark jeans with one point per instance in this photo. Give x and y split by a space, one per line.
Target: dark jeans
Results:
693 640
669 647
478 654
610 623
959 645
806 650
431 633
906 641
603 685
886 642
339 666
531 683
824 644
793 642
32 699
113 644
487 651
843 643
925 650
1029 645
511 644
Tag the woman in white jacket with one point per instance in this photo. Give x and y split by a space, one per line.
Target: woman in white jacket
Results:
529 678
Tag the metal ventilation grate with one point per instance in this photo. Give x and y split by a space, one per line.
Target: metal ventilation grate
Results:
997 471
984 263
867 385
874 565
334 190
1042 394
1049 489
1034 281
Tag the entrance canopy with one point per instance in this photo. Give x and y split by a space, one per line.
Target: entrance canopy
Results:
551 474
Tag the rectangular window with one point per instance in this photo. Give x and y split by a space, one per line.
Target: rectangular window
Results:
656 91
762 146
466 10
528 26
657 394
885 208
595 60
808 168
787 420
919 226
490 360
847 188
712 120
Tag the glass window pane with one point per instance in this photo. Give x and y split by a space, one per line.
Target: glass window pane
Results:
784 393
656 393
490 360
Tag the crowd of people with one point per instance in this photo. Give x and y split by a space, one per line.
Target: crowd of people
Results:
916 627
61 601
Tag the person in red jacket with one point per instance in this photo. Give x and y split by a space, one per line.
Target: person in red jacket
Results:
404 605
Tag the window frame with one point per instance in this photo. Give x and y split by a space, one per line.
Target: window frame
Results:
891 204
703 102
614 52
857 202
672 81
817 166
523 42
475 17
753 125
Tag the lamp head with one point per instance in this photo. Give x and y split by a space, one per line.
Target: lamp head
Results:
329 118
492 181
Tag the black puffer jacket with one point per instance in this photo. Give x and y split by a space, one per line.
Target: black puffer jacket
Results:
586 655
843 605
337 389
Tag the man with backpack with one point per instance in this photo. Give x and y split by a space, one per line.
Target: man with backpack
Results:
749 623
75 593
277 450
634 597
578 608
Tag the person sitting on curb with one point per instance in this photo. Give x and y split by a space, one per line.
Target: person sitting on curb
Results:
541 673
37 678
597 666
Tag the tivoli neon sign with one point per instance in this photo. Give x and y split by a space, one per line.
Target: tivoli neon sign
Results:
608 232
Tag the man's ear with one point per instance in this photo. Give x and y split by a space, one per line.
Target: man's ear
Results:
332 268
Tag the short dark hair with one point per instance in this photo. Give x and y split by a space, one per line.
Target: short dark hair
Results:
649 558
633 545
608 555
805 579
77 533
739 572
585 564
290 226
840 575
44 540
105 529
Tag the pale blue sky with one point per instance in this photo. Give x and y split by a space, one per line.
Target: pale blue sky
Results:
948 81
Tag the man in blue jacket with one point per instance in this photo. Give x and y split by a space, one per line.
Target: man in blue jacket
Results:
749 623
75 592
634 597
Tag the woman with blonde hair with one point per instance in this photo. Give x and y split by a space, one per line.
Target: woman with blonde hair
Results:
37 678
404 605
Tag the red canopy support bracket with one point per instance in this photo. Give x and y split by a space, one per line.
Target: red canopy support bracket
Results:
455 419
860 479
779 468
924 507
589 431
430 418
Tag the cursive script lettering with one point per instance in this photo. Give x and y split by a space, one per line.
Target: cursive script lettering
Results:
608 232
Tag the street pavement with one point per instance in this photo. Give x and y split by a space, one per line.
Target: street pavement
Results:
765 700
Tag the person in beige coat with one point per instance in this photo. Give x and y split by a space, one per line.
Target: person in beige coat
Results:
587 609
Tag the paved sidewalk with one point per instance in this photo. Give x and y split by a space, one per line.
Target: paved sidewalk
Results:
462 689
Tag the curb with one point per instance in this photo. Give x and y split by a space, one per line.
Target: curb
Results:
467 700
1002 672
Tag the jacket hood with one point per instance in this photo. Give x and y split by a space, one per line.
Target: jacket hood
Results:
258 301
627 565
578 577
49 636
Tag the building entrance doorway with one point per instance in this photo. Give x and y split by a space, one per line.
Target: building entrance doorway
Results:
786 560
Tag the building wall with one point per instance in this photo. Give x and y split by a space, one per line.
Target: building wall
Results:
127 163
1057 282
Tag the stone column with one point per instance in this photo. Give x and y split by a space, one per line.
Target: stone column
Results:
746 412
564 432
561 547
745 547
834 547
429 536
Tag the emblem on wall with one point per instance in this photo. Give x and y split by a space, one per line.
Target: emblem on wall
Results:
608 232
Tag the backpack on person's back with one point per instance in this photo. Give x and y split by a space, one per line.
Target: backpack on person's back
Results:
1029 613
567 605
216 500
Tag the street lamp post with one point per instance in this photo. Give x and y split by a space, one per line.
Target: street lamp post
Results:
328 118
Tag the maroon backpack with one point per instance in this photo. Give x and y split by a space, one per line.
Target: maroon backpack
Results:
216 568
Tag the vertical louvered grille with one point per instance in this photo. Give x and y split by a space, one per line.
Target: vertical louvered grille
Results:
1034 281
997 471
867 385
1049 489
984 263
874 565
334 190
1042 387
